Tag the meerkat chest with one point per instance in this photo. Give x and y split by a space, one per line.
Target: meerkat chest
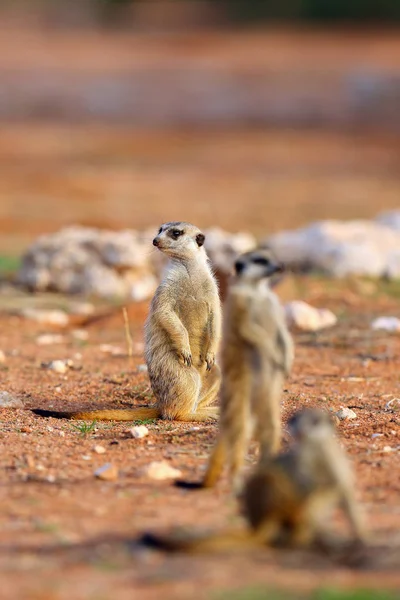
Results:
195 301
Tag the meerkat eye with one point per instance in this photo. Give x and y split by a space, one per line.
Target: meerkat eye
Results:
175 233
259 260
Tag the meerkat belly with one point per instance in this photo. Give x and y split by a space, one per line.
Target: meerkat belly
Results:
194 314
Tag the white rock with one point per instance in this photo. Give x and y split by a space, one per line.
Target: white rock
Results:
303 316
49 317
59 366
223 247
345 413
109 349
162 470
80 334
390 219
139 431
99 449
338 248
107 472
386 323
8 400
47 339
142 368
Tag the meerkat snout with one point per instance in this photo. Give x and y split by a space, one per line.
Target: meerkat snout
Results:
156 242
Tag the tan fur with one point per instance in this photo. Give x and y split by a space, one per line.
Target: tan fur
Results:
289 497
256 358
182 335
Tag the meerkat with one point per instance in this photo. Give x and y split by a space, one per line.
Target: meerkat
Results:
182 335
289 497
256 358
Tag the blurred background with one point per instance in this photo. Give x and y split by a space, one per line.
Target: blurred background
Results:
252 115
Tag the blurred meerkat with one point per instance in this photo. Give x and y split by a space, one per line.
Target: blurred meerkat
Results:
257 356
182 335
289 497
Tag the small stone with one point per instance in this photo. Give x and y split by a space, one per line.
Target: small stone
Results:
59 366
307 318
8 400
393 404
388 449
142 369
107 472
86 457
82 308
50 317
99 449
80 334
51 478
109 349
2 357
386 323
345 413
47 339
162 470
376 435
139 431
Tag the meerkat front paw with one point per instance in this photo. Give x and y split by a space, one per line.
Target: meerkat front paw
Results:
185 357
210 360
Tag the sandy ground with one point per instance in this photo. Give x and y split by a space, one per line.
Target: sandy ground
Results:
65 534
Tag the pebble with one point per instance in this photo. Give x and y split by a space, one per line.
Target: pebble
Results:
50 317
99 449
139 431
162 470
46 339
109 349
59 366
386 323
107 472
376 435
388 449
345 413
307 318
8 400
80 334
393 404
142 369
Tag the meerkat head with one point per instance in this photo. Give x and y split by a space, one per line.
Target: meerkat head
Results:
180 240
311 424
257 264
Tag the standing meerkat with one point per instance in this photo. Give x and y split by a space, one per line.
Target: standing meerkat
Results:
289 498
257 356
182 335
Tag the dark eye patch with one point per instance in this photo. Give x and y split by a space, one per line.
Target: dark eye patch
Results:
259 260
159 231
175 233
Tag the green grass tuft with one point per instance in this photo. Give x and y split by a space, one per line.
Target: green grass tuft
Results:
84 428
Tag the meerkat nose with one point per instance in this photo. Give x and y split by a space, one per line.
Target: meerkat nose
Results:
156 242
279 268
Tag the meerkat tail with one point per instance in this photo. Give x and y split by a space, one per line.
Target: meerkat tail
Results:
230 541
214 470
130 414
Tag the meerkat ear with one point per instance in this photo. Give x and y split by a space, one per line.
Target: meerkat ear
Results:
200 237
